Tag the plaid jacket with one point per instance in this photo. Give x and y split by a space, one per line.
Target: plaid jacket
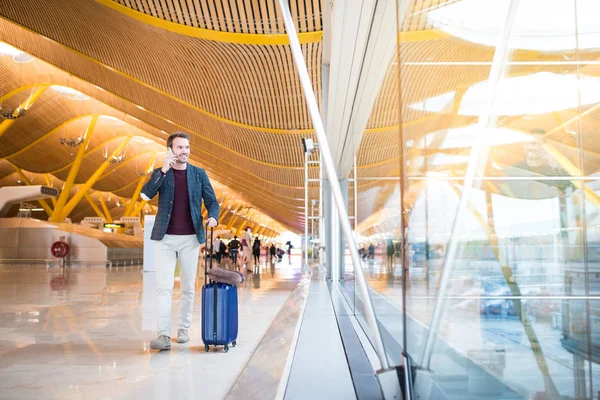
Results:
199 188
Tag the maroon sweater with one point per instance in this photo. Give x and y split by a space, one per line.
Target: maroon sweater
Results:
181 222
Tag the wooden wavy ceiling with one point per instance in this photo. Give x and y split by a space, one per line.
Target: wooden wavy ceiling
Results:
208 68
239 16
33 143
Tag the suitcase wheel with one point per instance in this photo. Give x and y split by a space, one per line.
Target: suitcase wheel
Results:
234 343
226 348
206 348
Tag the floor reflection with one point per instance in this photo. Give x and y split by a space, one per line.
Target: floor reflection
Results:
482 333
84 332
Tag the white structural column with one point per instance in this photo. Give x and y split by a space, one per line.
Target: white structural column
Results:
334 240
355 181
325 207
363 39
339 240
329 222
305 267
358 46
322 227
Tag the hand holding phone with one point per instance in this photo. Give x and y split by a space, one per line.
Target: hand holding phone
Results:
170 159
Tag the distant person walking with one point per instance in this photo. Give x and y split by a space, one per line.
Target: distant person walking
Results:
256 251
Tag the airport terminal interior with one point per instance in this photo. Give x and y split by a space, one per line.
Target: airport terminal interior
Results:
422 176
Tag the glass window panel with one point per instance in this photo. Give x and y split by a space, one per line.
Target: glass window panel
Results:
516 301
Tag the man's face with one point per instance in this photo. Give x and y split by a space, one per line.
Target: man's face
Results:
181 149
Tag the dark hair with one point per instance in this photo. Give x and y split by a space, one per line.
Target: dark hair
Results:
176 135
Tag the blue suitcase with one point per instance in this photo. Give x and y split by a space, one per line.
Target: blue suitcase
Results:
219 310
219 315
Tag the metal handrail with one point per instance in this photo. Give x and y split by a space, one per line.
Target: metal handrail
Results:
49 261
333 180
27 260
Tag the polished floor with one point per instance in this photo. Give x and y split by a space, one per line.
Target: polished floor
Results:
320 366
84 332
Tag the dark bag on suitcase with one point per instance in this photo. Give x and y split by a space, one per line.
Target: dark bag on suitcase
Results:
219 310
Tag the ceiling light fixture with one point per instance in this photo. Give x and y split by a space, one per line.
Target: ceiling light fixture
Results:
309 146
117 159
12 114
71 142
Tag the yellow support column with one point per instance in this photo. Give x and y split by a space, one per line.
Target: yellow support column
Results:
490 229
573 171
93 179
246 222
236 231
138 189
221 201
107 215
232 221
121 202
18 90
573 119
437 140
57 215
94 206
138 209
242 226
261 230
43 203
7 123
222 212
235 217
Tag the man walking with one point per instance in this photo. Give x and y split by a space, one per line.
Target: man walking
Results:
217 249
234 247
273 251
178 232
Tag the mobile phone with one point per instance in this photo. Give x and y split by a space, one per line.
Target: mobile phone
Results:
170 152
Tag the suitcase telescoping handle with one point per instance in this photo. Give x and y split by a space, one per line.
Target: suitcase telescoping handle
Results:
209 255
215 284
